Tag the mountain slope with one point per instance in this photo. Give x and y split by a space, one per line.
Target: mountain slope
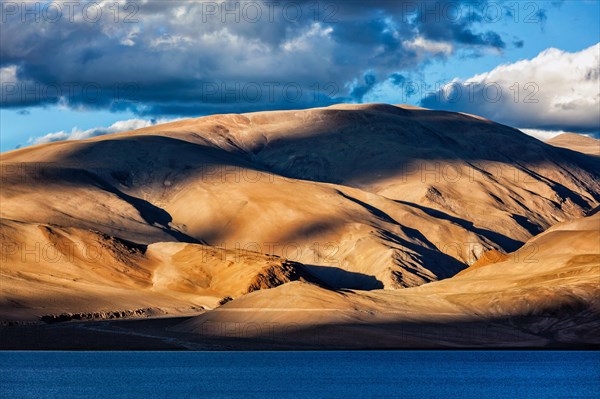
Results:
546 293
366 197
576 142
48 270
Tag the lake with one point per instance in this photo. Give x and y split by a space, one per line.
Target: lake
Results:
335 374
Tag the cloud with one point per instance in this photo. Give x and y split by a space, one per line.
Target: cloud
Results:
117 127
8 73
397 79
518 43
430 46
557 90
360 90
184 58
543 135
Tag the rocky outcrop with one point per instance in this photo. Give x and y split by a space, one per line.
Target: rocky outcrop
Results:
108 315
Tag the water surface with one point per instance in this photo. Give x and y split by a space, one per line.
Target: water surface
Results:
343 374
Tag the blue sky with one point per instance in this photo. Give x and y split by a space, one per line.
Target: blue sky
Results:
572 26
182 59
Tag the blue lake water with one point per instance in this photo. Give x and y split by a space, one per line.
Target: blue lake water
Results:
381 374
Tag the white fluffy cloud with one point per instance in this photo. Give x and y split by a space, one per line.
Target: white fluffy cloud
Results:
556 90
543 135
78 134
430 46
8 73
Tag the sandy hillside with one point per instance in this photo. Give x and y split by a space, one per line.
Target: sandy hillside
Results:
358 197
47 270
545 292
576 142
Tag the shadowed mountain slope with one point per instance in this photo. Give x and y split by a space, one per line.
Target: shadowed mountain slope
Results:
546 293
363 196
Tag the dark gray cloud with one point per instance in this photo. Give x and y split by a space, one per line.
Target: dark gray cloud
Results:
192 57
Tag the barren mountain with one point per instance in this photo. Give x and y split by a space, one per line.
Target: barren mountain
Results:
576 142
351 196
546 293
49 270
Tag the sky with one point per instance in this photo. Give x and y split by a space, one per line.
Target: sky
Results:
78 69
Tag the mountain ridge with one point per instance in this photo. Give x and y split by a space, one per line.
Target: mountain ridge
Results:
359 197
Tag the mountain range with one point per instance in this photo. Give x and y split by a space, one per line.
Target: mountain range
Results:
367 226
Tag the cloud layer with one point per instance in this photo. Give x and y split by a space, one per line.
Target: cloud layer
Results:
556 90
195 57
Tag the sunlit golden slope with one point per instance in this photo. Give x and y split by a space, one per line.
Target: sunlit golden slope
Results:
48 270
576 142
364 196
548 292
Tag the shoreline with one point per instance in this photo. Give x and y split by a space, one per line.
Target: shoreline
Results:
158 334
